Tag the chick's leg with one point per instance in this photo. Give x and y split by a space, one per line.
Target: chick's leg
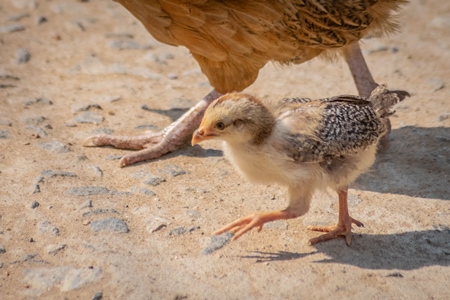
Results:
243 225
156 144
344 226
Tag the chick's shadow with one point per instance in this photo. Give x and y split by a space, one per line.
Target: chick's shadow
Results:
403 251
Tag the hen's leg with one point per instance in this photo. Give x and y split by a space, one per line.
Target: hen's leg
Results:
243 225
344 226
159 143
364 81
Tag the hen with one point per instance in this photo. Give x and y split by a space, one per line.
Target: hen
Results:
232 40
304 144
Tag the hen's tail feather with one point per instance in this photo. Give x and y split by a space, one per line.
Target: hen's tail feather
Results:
383 100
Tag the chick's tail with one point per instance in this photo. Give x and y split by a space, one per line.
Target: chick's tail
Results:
383 100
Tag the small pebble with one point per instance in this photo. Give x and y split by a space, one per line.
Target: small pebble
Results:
22 56
34 204
98 296
40 20
54 249
31 240
11 28
2 249
89 117
172 76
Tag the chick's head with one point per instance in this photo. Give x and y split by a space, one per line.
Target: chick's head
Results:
235 118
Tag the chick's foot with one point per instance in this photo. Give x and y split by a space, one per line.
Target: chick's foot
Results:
243 225
157 144
343 228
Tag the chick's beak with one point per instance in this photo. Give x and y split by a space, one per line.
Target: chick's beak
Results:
201 135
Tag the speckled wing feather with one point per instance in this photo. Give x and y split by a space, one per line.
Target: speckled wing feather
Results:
320 130
233 39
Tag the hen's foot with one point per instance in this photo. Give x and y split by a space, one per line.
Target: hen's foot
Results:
243 225
343 228
156 144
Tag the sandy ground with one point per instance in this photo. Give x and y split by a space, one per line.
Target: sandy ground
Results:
74 225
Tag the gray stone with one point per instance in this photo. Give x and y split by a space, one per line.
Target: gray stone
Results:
183 230
22 56
172 170
2 249
98 172
100 211
144 191
34 204
88 191
85 107
192 213
217 242
109 224
98 296
24 4
35 188
55 147
48 228
65 278
40 100
4 134
89 117
123 45
147 126
87 204
279 224
54 249
440 22
436 83
113 157
154 180
35 121
51 174
11 28
38 131
443 116
18 17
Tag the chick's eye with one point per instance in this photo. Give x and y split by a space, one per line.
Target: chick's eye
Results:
220 125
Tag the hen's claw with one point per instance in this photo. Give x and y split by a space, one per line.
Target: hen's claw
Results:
156 144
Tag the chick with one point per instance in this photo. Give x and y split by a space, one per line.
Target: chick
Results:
232 40
304 144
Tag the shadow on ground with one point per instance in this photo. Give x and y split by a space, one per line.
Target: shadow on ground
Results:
417 163
403 251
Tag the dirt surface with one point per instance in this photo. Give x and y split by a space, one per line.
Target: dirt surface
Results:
74 225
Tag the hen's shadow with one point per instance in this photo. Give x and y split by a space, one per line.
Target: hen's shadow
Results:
417 163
